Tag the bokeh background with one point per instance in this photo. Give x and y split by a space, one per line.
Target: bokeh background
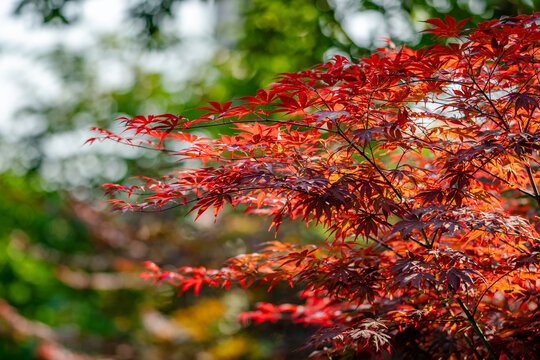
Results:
69 285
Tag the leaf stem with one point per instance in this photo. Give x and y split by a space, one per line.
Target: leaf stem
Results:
487 289
533 184
371 162
502 124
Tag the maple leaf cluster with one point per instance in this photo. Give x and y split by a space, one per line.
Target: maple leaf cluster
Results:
422 165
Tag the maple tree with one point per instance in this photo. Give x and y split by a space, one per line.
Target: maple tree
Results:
420 164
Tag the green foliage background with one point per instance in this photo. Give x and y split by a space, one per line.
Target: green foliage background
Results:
70 267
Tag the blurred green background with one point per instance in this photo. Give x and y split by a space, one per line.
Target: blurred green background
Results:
69 286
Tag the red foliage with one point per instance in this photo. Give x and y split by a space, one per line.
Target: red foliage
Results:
422 166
